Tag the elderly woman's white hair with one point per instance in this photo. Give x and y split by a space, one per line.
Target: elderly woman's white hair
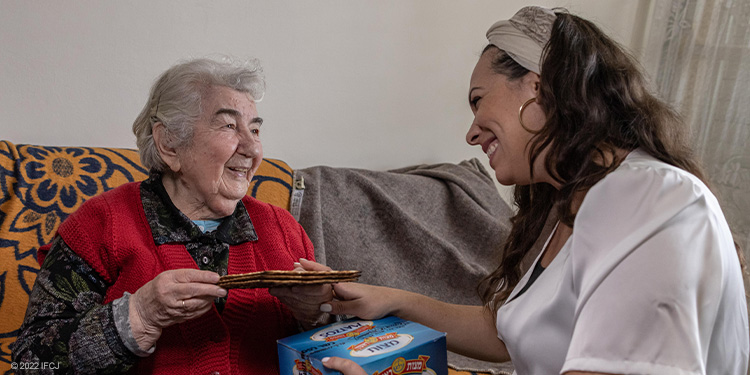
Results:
176 96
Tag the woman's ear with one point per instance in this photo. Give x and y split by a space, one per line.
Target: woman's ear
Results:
163 145
533 82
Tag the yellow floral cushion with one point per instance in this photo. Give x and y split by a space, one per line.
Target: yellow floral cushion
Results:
41 185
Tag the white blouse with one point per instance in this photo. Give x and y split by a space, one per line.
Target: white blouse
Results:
648 283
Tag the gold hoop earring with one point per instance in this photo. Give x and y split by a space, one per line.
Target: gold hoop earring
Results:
520 115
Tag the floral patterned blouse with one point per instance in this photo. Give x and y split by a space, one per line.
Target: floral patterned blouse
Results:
66 323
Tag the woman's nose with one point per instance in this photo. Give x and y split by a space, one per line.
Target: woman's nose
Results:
250 144
472 136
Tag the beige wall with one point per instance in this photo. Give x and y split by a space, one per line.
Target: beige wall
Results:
372 84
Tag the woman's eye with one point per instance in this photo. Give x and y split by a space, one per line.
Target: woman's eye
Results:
475 101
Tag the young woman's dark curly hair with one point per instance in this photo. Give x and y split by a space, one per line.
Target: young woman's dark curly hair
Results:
596 101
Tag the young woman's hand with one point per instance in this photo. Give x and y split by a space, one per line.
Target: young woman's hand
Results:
362 300
346 366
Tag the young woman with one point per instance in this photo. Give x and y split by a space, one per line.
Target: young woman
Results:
641 274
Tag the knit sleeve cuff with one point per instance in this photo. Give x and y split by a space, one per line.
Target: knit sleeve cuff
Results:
121 314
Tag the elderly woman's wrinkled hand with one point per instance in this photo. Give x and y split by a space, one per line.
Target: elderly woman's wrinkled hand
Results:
172 297
305 301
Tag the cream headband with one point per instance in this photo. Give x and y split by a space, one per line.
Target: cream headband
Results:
524 36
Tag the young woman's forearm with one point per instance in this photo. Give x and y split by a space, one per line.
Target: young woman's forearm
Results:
470 330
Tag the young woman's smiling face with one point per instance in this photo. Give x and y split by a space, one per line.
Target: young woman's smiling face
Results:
495 102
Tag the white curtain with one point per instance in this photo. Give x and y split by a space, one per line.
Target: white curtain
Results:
698 55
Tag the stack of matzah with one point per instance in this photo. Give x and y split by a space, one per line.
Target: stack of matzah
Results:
270 279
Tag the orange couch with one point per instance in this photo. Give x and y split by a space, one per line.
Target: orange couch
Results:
41 185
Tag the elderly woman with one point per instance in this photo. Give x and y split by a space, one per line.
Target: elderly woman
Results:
640 275
129 282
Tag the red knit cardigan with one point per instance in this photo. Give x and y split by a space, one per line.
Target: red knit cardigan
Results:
111 233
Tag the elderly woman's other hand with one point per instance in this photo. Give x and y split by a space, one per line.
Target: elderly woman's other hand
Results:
305 301
172 297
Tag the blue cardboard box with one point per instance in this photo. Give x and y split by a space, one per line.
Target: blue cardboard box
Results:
388 346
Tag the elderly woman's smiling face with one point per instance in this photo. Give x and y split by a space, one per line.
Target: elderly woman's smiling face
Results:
213 172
